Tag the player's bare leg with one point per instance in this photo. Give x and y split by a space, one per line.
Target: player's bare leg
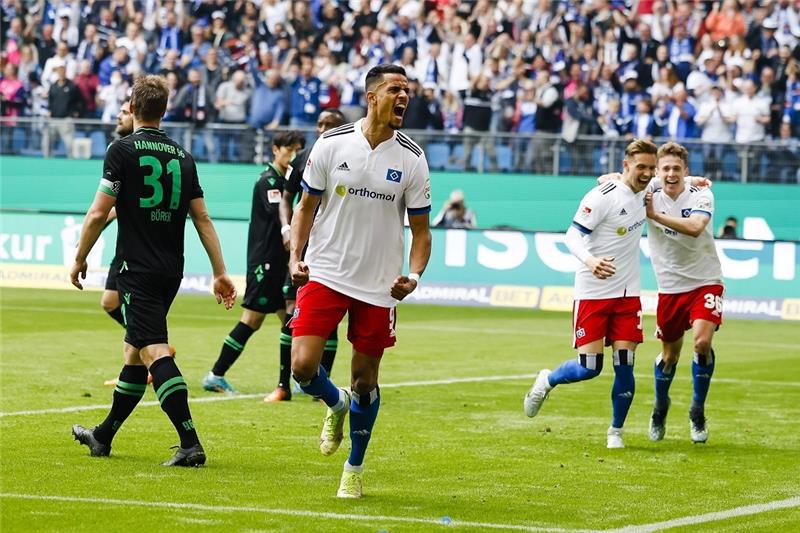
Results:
109 301
328 354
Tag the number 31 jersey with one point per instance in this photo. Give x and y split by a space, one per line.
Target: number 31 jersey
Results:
153 180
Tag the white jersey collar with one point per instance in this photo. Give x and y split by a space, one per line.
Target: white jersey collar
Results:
382 146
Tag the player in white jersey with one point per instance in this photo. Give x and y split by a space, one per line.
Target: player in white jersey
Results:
605 236
689 284
360 181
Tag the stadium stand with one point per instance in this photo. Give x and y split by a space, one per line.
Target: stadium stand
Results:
652 69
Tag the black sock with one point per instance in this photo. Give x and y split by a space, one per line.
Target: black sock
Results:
130 388
284 377
330 351
232 348
173 394
116 314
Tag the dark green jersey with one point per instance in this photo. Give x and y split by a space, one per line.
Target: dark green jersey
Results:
294 176
264 241
153 179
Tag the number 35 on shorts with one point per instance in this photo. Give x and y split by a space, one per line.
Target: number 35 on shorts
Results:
713 301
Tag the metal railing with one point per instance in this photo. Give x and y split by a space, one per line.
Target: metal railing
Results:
773 161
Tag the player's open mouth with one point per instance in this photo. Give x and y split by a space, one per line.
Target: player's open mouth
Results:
671 181
399 110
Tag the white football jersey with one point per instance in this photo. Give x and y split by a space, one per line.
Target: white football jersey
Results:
357 244
681 262
611 217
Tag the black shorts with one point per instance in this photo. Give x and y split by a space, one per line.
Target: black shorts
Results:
264 292
146 299
111 279
289 290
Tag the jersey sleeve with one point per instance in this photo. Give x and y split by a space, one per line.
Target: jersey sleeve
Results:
315 173
113 170
295 173
260 192
197 191
417 194
654 185
703 202
591 211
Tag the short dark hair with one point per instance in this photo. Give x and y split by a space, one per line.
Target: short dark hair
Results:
288 138
376 74
338 115
149 97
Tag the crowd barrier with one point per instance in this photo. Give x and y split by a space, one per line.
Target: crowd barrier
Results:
775 161
501 201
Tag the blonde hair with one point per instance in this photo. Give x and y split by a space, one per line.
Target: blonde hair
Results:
149 97
640 146
673 148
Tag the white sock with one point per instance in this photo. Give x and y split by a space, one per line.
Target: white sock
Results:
340 404
350 468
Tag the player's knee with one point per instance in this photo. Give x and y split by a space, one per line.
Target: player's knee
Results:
304 366
702 345
302 371
592 364
253 320
109 301
670 358
363 385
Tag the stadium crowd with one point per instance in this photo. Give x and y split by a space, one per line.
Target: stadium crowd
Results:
712 71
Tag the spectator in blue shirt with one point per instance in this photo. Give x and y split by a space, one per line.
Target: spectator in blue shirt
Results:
268 102
193 53
677 120
113 63
304 95
681 51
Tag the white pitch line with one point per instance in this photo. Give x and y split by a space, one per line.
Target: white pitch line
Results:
711 517
285 512
224 398
524 331
451 381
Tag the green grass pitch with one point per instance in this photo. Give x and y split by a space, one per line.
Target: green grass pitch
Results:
454 453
